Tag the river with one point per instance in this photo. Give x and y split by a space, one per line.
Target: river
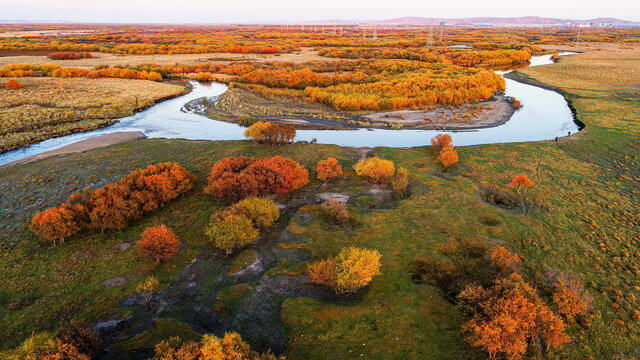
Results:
544 115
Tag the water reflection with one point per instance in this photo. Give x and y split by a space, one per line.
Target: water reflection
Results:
544 116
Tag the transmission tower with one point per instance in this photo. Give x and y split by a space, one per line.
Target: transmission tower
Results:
441 35
375 29
430 38
578 38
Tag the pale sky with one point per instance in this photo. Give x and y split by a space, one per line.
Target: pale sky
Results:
239 11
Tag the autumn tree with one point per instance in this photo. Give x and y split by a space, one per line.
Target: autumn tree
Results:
439 141
507 316
267 132
235 178
520 181
232 232
502 259
262 212
54 224
376 170
66 352
210 347
158 243
12 84
147 288
352 269
567 298
328 169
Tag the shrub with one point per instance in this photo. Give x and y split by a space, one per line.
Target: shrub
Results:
328 169
233 232
503 259
158 243
520 181
262 212
267 132
13 84
66 55
235 178
210 347
376 170
324 273
439 141
400 182
351 270
66 352
336 211
448 157
147 288
80 335
567 298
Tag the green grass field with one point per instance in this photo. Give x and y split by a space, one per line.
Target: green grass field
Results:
584 221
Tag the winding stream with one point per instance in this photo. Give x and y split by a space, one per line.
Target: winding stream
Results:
545 114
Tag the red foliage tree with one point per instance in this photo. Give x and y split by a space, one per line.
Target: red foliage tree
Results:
158 243
235 178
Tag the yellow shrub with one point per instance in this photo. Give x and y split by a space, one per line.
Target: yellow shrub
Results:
262 212
375 169
233 232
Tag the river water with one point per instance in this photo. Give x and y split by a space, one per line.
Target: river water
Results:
545 114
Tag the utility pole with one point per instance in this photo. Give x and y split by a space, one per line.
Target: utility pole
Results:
441 35
578 38
375 29
364 31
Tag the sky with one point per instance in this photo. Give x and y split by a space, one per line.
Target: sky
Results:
246 11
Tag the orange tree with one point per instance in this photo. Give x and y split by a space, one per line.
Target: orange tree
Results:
158 243
328 169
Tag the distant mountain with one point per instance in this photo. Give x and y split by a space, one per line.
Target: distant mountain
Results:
493 21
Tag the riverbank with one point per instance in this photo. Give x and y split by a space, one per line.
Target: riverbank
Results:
83 145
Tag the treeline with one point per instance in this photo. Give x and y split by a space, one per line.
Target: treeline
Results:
53 70
66 55
114 205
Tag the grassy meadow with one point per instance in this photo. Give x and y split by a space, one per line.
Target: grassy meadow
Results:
583 221
46 107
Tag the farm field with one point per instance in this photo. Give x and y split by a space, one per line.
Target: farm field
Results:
580 222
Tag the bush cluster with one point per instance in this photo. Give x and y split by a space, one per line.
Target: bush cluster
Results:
235 178
376 170
270 133
351 270
114 205
328 169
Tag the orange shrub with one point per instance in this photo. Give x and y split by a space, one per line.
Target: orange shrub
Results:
158 243
502 258
66 352
400 181
13 84
239 177
568 299
66 55
375 169
324 273
328 169
448 157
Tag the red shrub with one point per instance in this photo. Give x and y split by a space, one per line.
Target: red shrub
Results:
13 84
66 55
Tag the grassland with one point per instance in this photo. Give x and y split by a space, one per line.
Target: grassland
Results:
584 222
304 55
49 107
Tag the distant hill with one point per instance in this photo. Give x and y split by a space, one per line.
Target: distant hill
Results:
494 21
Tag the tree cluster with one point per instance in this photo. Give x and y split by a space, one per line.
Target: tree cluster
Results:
67 55
114 205
270 133
235 178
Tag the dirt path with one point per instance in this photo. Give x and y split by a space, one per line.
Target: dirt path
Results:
83 145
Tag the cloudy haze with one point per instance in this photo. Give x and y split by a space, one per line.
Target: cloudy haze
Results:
215 11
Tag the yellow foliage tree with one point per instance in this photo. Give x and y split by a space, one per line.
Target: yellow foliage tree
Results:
376 170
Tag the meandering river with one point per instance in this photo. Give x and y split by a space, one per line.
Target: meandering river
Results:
545 115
